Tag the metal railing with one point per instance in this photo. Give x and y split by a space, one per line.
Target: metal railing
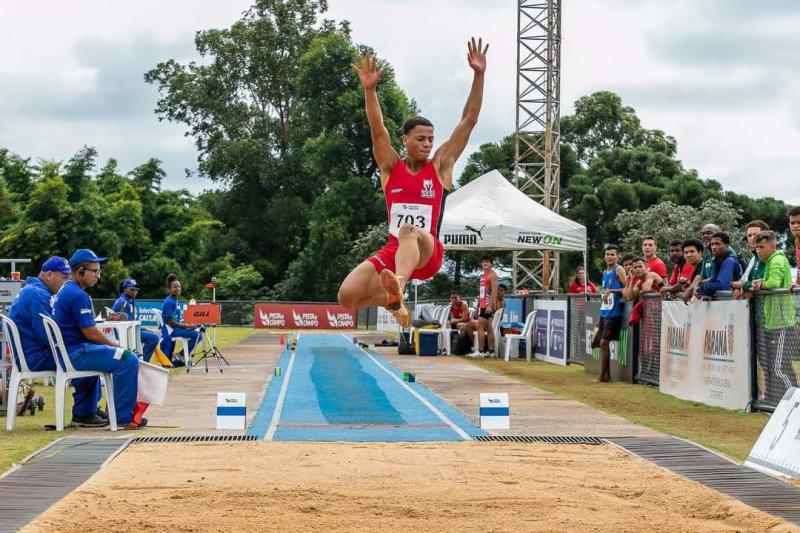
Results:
776 345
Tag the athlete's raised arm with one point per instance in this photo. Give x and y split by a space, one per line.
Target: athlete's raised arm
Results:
369 75
446 156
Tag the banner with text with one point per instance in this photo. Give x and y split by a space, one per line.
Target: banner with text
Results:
705 352
386 321
550 331
304 316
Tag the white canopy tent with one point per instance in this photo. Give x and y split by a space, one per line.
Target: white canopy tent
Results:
489 213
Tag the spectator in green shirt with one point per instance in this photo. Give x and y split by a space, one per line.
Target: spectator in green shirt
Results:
779 318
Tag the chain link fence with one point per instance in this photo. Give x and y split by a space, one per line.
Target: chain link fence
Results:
650 339
578 339
777 346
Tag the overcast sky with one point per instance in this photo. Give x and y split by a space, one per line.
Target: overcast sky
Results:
721 76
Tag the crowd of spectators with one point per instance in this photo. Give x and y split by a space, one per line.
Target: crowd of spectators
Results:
701 269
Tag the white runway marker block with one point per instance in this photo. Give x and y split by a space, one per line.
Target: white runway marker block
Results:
231 410
494 411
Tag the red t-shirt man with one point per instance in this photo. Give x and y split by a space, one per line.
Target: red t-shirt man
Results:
657 266
575 288
681 274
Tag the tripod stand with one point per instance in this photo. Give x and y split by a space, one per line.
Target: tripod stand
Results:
208 351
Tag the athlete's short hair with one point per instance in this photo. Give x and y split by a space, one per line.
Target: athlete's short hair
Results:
697 244
612 247
627 257
486 257
638 259
767 235
722 236
502 286
413 122
675 242
760 224
794 211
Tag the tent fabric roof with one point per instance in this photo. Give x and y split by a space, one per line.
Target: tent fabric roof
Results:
489 213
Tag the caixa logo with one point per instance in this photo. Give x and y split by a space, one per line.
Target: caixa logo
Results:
272 319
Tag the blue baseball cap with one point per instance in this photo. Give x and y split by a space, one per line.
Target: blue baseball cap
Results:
56 264
129 283
85 255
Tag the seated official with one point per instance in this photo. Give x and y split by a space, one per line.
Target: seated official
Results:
126 306
89 349
172 327
35 298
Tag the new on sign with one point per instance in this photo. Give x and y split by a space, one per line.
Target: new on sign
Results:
203 314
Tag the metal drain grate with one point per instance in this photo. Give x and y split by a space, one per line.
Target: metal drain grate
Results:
551 439
746 485
194 438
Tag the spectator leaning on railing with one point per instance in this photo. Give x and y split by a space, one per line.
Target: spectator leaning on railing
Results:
641 280
681 270
755 268
652 262
794 229
779 313
726 267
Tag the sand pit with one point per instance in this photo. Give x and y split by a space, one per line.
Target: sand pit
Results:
302 487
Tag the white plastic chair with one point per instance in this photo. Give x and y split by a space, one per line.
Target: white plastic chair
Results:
515 338
496 319
65 372
181 344
19 369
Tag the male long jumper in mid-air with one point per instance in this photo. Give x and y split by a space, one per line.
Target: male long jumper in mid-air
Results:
415 188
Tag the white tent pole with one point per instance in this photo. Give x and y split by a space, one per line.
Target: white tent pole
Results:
585 273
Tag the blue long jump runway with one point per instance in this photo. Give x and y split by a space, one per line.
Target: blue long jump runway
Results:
331 390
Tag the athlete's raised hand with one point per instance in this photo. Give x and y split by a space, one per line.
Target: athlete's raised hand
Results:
476 55
369 74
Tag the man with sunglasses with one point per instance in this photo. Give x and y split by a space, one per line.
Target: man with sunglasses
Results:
89 349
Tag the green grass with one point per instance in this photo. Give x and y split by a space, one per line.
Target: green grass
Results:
731 432
29 434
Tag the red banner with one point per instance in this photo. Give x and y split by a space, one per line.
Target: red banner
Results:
304 316
203 314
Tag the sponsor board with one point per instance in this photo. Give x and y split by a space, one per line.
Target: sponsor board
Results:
386 321
705 352
203 314
550 330
303 316
9 291
145 311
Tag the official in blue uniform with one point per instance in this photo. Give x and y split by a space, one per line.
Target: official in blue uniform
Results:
172 326
37 297
89 349
126 303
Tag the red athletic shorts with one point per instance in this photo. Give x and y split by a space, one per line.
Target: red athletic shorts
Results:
384 258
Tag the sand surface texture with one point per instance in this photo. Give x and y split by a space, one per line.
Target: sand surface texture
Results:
336 487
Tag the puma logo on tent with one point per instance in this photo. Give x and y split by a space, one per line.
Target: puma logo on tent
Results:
478 231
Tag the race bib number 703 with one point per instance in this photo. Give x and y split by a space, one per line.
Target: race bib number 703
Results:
418 215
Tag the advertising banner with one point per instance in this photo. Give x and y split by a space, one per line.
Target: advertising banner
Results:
145 310
386 321
203 314
550 331
303 316
8 291
705 352
513 310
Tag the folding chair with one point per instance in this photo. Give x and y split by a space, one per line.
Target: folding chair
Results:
515 338
65 372
19 369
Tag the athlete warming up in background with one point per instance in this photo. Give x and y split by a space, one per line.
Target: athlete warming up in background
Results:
415 187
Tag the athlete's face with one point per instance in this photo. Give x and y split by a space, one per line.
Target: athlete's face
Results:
419 142
794 225
649 248
486 264
751 237
692 255
638 269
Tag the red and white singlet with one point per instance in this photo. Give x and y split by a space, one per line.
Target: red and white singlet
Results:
484 289
416 199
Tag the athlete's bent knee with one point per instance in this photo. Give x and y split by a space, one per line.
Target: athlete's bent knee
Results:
346 297
407 231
